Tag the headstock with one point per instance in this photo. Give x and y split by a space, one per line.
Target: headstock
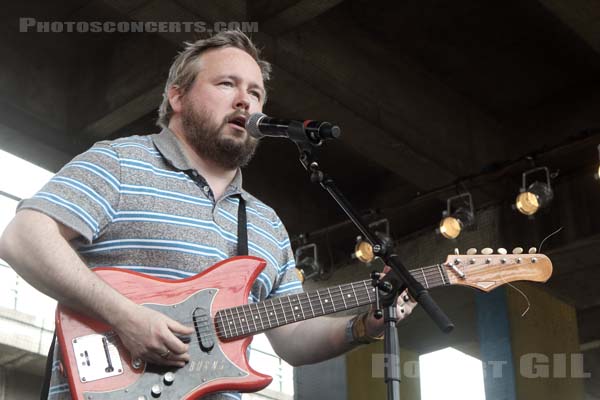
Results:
488 270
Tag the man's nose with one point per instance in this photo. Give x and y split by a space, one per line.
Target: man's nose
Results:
242 101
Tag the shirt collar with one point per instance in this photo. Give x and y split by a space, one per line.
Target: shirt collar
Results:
172 150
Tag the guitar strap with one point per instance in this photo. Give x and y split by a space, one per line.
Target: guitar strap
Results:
242 244
48 373
242 250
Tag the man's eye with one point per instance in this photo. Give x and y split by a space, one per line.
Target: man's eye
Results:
226 83
256 94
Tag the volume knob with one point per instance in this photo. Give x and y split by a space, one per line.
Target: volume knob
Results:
156 391
169 378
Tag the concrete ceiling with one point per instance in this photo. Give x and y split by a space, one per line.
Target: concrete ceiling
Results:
433 96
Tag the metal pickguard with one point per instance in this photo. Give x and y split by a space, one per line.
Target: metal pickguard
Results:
202 368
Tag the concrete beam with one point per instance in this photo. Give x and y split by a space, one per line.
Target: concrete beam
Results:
581 16
397 96
362 135
25 136
121 116
297 14
135 89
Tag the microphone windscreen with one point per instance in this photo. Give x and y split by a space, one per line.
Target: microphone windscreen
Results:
252 125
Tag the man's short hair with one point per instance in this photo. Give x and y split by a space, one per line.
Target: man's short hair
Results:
184 69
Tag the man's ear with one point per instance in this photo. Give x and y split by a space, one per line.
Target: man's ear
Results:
175 98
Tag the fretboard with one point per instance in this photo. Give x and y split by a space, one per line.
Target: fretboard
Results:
250 319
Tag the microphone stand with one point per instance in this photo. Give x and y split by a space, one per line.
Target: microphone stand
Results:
389 286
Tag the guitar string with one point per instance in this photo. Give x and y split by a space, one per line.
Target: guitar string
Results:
436 274
437 278
113 337
244 332
290 316
306 300
245 324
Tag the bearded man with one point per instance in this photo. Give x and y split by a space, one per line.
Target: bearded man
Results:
168 205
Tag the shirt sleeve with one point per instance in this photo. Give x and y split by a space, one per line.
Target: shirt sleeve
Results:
288 278
84 194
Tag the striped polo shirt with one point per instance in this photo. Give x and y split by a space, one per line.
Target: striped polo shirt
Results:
139 205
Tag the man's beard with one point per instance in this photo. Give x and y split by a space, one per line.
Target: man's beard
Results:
210 142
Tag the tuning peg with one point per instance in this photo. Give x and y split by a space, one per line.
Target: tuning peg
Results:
517 250
532 250
502 251
487 251
456 252
472 251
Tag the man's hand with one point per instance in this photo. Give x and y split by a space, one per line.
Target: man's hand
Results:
151 336
404 306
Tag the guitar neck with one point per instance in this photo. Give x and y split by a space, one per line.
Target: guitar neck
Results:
250 319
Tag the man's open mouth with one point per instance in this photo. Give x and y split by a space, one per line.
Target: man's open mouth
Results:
239 120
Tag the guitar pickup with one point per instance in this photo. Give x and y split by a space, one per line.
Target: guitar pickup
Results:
204 330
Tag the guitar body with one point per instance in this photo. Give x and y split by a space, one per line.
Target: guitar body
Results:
99 367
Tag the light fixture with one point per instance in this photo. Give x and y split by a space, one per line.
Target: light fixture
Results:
535 196
307 261
363 251
455 220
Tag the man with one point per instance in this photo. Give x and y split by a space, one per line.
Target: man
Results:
166 205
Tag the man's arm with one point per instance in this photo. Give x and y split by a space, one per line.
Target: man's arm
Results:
37 248
319 339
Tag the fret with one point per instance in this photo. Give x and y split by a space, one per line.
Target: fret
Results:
424 277
275 312
331 299
220 325
253 317
367 288
300 305
245 318
442 271
283 310
225 325
262 326
310 304
292 309
321 302
343 299
233 322
354 291
237 310
264 303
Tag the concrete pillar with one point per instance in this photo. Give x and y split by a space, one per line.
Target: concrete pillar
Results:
549 329
531 356
495 345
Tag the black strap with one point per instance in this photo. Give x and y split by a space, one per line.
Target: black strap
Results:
48 373
242 244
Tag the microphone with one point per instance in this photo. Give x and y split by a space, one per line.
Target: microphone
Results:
259 126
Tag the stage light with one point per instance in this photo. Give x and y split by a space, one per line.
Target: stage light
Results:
454 221
363 251
535 196
307 261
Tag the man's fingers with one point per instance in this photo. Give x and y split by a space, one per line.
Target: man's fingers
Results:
179 328
175 338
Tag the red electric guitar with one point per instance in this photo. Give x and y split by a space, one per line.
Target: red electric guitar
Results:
215 303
